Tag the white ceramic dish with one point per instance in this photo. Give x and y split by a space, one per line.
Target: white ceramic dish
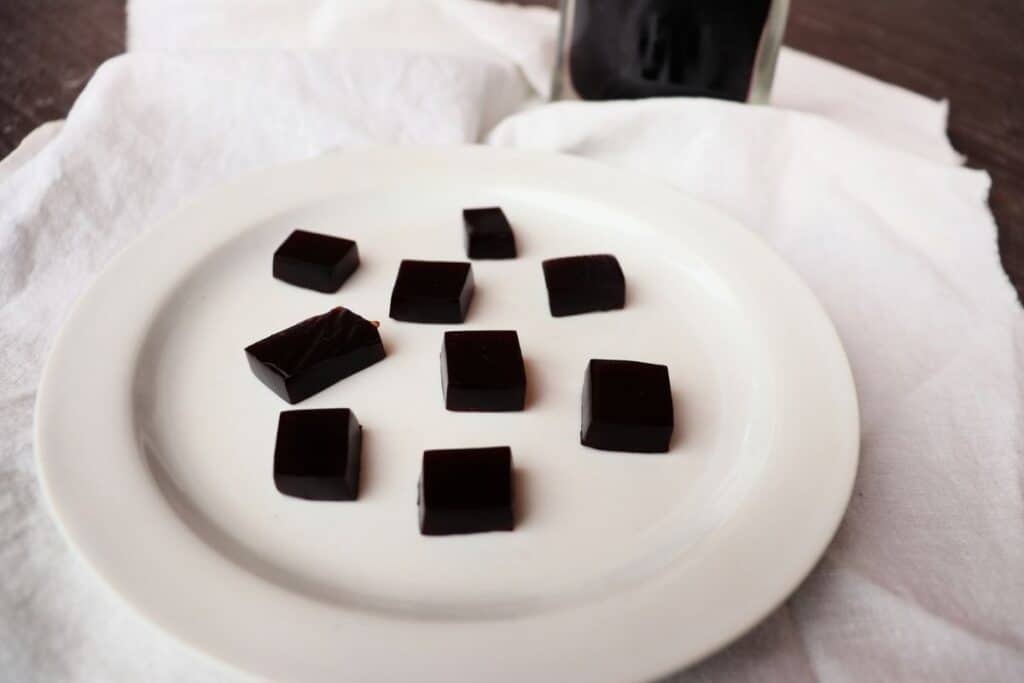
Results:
155 441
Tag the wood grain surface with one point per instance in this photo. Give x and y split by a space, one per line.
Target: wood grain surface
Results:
971 53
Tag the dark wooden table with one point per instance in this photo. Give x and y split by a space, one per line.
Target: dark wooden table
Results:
971 53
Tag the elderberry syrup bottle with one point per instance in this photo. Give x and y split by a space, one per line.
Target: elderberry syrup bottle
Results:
627 49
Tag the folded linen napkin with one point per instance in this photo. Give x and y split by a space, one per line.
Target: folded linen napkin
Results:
850 180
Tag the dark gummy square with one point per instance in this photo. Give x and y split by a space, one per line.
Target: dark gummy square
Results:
314 354
582 284
483 371
627 406
488 234
315 261
432 291
318 456
465 491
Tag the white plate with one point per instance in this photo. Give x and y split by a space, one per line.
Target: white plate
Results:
155 441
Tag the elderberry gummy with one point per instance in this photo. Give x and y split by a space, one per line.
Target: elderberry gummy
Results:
315 261
432 292
465 491
488 234
318 454
627 406
483 371
310 356
582 284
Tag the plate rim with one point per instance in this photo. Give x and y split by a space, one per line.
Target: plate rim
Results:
601 665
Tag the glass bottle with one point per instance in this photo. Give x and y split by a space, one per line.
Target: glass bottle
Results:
627 49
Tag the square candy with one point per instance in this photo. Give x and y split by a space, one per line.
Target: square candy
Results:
488 234
318 456
315 261
310 356
627 406
465 491
483 371
432 292
582 284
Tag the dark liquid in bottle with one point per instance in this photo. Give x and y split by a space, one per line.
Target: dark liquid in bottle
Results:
625 49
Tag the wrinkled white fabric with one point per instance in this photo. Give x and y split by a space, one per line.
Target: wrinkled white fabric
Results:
523 36
852 181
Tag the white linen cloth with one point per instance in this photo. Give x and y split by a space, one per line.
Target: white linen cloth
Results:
852 181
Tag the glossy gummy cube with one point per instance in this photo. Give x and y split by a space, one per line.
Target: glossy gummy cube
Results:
318 454
432 292
488 234
466 491
483 371
315 261
627 406
583 284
